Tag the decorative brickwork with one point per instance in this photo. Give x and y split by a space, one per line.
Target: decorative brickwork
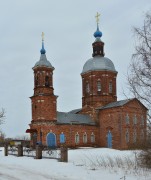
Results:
96 96
114 119
43 100
70 131
102 121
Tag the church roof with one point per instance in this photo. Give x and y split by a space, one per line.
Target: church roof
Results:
74 111
43 62
115 104
70 118
98 63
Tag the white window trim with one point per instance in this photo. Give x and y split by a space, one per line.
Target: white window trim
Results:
77 140
99 88
87 87
142 120
142 135
110 87
85 139
92 135
135 119
134 136
127 119
127 136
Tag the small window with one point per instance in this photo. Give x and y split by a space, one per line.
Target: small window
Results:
110 87
92 138
142 120
142 135
47 84
98 86
85 138
62 138
127 120
134 136
87 87
127 136
77 138
135 119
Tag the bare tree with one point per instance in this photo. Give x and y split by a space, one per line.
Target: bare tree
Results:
139 79
139 73
22 137
2 116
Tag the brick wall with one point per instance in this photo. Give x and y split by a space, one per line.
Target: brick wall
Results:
114 119
43 100
69 131
94 97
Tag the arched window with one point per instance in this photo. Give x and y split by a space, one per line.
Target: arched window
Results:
127 120
127 136
87 87
110 87
77 138
109 139
92 138
142 120
135 119
62 138
47 84
98 86
142 135
85 138
134 136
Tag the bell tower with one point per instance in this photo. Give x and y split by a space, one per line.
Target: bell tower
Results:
43 101
98 76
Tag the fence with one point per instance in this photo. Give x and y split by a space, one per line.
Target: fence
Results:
61 154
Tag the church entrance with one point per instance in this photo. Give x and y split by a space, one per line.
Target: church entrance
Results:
109 139
51 140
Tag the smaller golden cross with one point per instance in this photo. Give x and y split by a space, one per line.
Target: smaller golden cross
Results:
42 35
97 17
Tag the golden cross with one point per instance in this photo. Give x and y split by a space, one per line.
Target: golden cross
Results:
42 35
97 17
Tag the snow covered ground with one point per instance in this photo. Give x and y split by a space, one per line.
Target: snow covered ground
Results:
82 165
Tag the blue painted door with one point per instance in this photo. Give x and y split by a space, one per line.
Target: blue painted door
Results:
109 140
51 140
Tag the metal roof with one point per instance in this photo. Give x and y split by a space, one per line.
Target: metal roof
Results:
70 118
98 63
43 62
115 104
74 111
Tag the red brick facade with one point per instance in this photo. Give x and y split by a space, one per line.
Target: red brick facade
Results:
98 97
43 100
113 123
115 120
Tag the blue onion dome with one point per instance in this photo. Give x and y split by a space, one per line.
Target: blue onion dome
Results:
43 62
43 51
97 33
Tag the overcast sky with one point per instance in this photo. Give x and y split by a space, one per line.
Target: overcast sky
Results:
68 27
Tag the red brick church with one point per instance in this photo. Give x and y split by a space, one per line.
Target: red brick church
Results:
102 121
